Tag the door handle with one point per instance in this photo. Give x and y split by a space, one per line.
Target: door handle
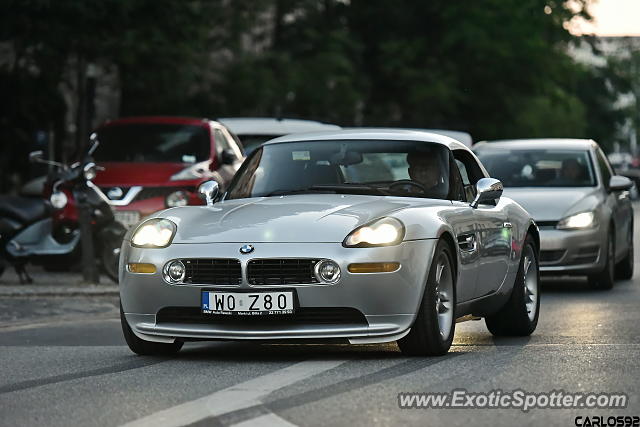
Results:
467 243
507 225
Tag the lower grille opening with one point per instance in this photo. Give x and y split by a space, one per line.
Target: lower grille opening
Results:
302 316
551 256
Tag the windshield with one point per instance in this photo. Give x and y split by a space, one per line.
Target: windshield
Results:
405 168
539 168
153 143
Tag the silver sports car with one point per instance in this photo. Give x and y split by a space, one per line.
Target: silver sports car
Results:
583 210
354 236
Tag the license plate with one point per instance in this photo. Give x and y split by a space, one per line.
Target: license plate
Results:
247 303
127 218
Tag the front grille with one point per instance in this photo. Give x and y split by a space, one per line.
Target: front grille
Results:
285 271
212 271
302 316
551 256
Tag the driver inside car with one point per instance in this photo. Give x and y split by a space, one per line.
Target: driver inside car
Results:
424 168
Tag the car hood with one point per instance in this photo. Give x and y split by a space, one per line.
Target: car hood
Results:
296 218
126 174
553 204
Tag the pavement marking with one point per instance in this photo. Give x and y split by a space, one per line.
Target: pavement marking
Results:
267 420
54 321
237 397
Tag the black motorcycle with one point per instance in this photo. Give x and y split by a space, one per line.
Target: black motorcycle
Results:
46 231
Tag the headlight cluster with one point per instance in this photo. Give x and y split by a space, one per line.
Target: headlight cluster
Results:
177 198
383 232
578 221
58 199
154 233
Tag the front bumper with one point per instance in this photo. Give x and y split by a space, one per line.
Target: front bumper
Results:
572 251
388 301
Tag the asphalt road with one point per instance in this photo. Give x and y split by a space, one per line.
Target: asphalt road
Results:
63 362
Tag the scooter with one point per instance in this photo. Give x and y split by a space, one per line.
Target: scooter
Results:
46 231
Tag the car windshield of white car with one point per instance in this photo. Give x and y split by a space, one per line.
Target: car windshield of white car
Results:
153 142
377 167
539 168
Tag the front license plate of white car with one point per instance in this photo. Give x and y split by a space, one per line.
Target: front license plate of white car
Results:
247 303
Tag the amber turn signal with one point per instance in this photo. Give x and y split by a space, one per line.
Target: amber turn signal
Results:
374 267
141 268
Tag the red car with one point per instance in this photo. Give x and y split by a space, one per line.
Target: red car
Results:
152 163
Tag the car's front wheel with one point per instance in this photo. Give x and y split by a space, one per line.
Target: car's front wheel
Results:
607 277
146 348
434 327
624 270
519 316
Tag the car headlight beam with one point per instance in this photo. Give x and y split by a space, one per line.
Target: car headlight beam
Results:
383 232
578 221
154 233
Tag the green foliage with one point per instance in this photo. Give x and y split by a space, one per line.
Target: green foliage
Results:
496 68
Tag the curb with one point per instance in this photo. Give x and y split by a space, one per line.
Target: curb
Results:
55 291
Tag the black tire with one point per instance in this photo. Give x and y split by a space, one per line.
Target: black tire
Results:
624 269
425 338
110 254
146 348
513 319
606 278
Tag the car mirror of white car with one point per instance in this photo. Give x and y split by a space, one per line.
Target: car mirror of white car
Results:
488 190
620 183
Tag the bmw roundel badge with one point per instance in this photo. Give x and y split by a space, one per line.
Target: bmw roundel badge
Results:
246 249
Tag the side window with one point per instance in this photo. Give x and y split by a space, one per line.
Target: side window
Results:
456 182
234 143
222 144
470 172
605 169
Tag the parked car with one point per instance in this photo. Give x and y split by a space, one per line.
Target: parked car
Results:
298 247
582 208
253 131
152 163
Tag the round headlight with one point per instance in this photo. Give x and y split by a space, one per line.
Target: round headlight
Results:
89 171
174 271
177 198
58 199
327 271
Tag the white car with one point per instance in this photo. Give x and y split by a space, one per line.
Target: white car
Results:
253 131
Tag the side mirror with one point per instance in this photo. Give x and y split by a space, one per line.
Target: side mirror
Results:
36 156
227 157
208 191
487 190
620 183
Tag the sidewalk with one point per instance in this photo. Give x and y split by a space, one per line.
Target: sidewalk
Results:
53 284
